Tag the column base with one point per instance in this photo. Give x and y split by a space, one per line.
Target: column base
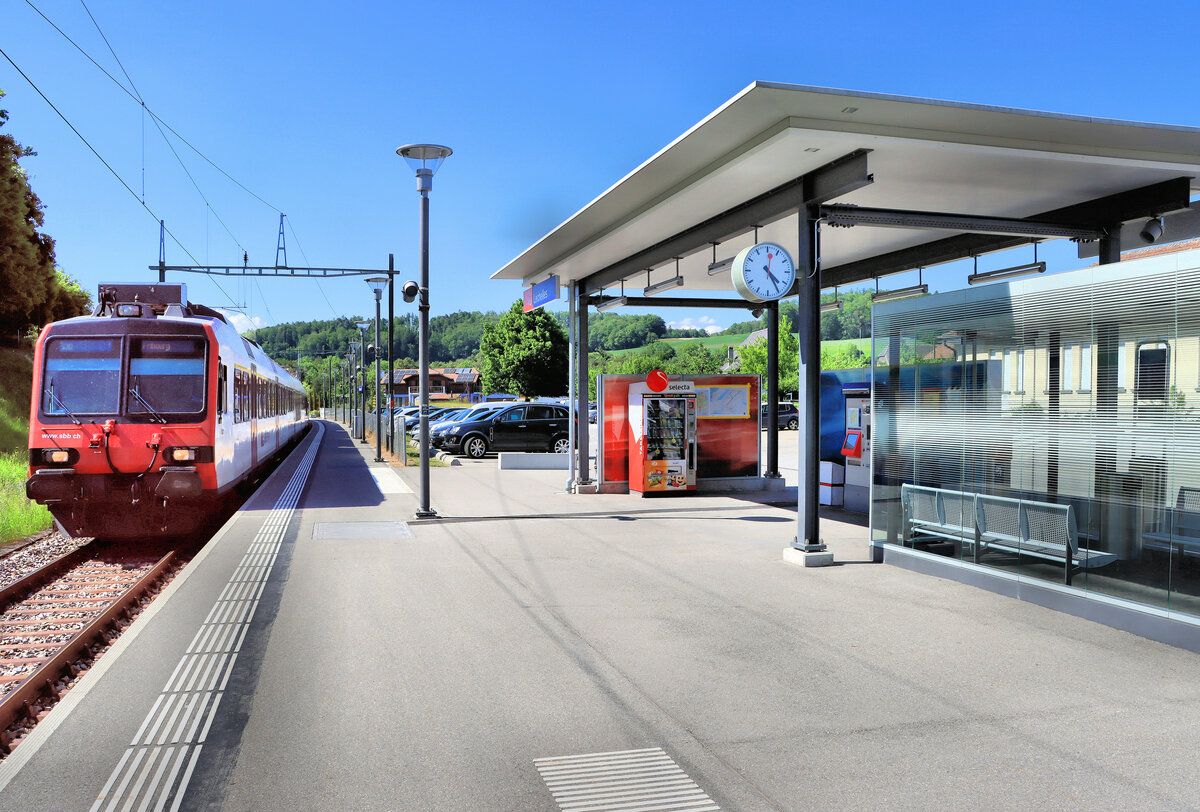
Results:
802 558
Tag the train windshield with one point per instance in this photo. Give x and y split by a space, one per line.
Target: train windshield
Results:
83 376
166 376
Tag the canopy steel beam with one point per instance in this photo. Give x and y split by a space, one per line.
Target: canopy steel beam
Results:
848 216
252 270
828 182
665 301
1104 212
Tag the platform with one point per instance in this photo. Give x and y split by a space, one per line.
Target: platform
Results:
342 655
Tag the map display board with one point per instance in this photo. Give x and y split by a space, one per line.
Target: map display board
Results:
727 402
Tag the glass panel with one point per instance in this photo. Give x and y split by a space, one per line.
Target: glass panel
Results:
83 376
1069 408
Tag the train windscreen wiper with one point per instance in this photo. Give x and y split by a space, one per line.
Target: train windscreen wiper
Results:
133 391
59 401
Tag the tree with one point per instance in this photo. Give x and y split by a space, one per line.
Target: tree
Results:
34 290
524 353
753 357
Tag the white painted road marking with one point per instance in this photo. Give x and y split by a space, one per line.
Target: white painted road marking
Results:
389 481
625 780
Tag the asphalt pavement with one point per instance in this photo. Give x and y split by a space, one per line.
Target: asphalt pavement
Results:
442 670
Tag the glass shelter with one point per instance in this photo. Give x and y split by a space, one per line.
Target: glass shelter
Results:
1048 430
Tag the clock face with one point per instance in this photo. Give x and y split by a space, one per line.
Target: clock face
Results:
763 272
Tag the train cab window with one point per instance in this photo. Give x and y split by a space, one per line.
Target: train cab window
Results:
83 376
166 376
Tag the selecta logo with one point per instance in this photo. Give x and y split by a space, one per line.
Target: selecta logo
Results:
656 380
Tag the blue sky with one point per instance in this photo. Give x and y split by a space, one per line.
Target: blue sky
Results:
544 104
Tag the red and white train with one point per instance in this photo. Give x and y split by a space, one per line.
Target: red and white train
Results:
148 413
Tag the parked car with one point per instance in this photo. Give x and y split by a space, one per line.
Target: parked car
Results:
437 431
591 412
521 427
788 416
413 420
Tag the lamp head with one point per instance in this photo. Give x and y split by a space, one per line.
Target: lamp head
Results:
362 325
426 157
377 285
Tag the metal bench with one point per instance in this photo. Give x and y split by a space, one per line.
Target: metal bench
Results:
938 513
1018 526
1182 533
1037 529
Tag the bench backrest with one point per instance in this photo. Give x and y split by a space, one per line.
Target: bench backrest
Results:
1027 522
958 510
921 503
998 516
1188 499
1051 524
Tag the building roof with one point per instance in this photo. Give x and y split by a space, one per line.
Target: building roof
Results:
922 154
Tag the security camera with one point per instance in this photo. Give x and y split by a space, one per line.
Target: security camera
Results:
410 291
1152 230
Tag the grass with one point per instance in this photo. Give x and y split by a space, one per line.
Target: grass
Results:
19 516
16 381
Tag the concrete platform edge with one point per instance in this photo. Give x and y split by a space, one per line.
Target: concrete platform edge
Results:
46 728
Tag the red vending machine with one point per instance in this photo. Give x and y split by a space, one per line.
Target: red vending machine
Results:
662 436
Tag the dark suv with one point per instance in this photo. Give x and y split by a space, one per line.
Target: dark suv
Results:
788 417
521 427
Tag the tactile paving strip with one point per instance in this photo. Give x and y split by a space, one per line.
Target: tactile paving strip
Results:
173 733
625 780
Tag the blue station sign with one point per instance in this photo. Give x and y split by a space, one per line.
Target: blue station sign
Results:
541 294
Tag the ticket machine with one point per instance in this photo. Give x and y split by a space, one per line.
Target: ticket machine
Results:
856 448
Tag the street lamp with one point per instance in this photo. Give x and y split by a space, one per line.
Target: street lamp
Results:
362 365
424 159
377 284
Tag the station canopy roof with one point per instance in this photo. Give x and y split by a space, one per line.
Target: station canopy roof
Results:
732 171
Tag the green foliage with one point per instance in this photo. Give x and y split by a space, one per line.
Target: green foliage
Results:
16 383
753 357
20 516
689 359
525 354
35 291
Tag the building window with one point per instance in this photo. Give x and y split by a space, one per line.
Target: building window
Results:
1122 367
1020 390
1152 375
1085 368
1067 367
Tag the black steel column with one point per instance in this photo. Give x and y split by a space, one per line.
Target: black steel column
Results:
585 474
772 391
809 315
391 317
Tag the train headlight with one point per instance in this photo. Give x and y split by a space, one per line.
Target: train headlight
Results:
182 454
56 455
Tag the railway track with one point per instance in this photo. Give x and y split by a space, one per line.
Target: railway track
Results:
55 621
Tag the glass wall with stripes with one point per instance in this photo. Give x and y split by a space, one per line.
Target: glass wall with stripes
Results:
1048 428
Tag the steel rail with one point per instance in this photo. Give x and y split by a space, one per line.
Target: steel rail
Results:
16 703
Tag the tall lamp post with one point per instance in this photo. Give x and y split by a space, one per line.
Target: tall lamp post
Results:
362 365
424 159
378 283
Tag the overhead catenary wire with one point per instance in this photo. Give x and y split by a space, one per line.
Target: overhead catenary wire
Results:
150 112
167 141
107 166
